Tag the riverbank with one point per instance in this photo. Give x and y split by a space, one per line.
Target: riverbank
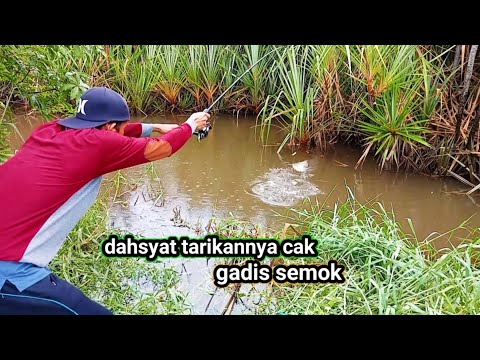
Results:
412 107
387 271
403 115
125 286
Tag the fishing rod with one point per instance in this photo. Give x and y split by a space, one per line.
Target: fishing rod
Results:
202 134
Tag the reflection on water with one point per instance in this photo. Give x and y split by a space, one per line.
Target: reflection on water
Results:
231 174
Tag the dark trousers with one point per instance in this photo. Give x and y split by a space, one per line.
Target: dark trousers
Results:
50 296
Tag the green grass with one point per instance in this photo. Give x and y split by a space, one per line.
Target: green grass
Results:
134 74
172 77
5 151
206 69
5 124
399 101
125 286
316 94
293 108
256 85
391 126
387 271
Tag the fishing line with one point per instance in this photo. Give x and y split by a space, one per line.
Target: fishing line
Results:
202 134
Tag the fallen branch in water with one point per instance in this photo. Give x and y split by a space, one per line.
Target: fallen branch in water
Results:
341 164
473 190
233 299
460 178
464 166
286 227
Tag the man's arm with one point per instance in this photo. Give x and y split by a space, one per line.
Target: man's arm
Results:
120 152
137 129
164 128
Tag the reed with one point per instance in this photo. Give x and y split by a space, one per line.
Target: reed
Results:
256 84
134 75
172 78
392 127
293 107
205 72
315 95
387 271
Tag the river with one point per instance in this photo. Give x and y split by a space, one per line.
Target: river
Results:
230 174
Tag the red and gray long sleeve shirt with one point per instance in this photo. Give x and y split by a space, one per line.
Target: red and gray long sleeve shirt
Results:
54 178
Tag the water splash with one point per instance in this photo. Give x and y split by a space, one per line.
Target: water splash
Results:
282 187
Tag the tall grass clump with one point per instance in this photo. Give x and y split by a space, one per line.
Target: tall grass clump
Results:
134 73
390 122
294 106
386 271
206 69
87 62
392 127
410 106
256 84
172 77
326 63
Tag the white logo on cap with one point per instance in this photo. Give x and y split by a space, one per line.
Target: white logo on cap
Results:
81 106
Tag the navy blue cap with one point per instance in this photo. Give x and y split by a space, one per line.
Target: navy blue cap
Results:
98 106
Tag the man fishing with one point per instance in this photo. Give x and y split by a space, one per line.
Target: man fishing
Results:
51 182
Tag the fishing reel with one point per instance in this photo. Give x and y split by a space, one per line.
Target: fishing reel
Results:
202 134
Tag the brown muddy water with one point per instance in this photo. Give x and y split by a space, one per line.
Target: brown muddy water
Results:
230 174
